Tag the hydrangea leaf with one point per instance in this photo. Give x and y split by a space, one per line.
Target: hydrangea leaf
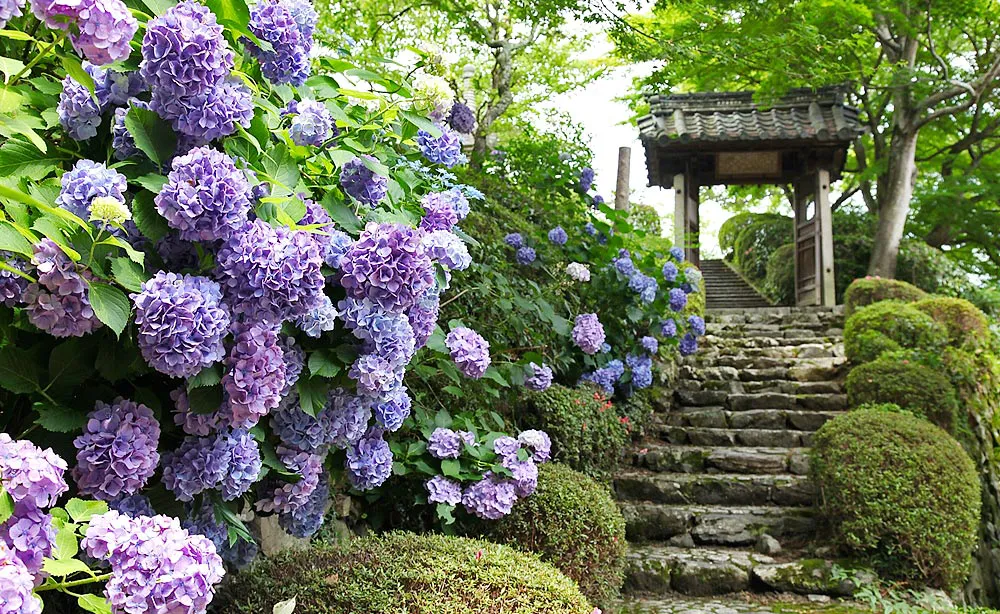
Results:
93 604
323 363
12 241
152 134
129 274
149 221
111 306
6 505
64 567
70 363
82 511
21 159
421 122
59 418
451 468
19 372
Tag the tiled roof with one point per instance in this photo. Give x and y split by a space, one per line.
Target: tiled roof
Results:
814 116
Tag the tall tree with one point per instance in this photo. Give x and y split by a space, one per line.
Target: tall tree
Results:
912 65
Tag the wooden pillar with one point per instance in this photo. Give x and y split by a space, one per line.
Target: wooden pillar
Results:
621 188
824 253
680 210
814 277
692 250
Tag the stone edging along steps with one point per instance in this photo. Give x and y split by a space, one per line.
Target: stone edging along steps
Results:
717 499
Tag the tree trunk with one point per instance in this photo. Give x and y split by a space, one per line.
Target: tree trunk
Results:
895 205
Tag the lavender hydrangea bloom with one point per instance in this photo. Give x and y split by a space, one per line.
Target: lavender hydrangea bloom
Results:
669 271
677 253
79 113
558 236
58 13
181 322
369 461
86 181
297 429
588 333
387 334
199 464
312 124
689 344
211 114
272 21
491 498
104 31
31 474
642 370
288 497
271 274
203 522
349 416
539 442
206 197
244 463
461 118
514 240
459 201
305 17
340 242
59 303
12 285
423 317
133 506
117 450
439 212
389 265
121 139
29 534
678 299
590 229
375 375
597 201
469 350
444 443
525 255
506 446
363 184
607 376
447 249
392 409
668 328
586 179
16 585
255 376
624 265
540 377
445 149
306 520
650 344
645 285
321 318
697 324
524 473
295 361
10 9
442 490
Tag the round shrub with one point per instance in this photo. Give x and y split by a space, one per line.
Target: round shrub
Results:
910 385
963 321
646 219
900 492
890 325
574 523
868 290
762 235
404 572
587 433
780 282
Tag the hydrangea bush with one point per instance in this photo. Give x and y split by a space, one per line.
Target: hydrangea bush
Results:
220 253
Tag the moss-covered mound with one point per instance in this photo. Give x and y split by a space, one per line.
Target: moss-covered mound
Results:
586 430
900 492
868 290
912 386
572 522
966 325
890 326
403 572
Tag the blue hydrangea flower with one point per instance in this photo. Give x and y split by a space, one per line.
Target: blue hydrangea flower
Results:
297 429
558 236
117 450
375 375
524 474
597 201
30 474
340 242
79 113
650 344
121 140
539 377
689 344
677 253
306 520
588 333
590 229
697 324
312 123
363 184
211 114
669 271
642 369
387 334
678 299
514 240
272 21
624 265
445 443
305 17
445 149
447 249
525 255
321 318
287 497
443 490
461 118
369 461
423 316
199 464
506 446
206 197
193 423
469 350
349 416
86 181
645 285
133 506
668 328
295 360
392 409
104 31
439 212
586 179
491 498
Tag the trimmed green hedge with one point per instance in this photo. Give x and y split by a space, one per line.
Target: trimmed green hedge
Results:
899 492
403 572
889 326
966 325
868 290
754 238
780 282
921 390
574 523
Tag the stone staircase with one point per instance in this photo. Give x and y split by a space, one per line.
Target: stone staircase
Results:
725 289
717 499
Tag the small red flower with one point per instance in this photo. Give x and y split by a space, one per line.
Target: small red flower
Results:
479 555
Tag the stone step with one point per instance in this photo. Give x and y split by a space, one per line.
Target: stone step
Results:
803 373
757 387
760 400
811 349
720 459
659 570
714 489
717 417
715 525
791 344
771 438
713 359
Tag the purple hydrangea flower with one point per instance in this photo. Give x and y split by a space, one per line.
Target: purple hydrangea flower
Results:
369 461
392 409
697 324
192 423
121 139
271 274
447 249
306 520
289 497
461 118
588 333
104 31
389 265
199 464
244 463
295 361
445 149
133 506
31 474
442 490
439 212
206 197
469 350
506 446
340 242
558 236
16 585
10 9
211 114
255 376
272 21
349 416
525 255
624 265
539 443
58 13
312 124
117 450
650 344
540 377
677 253
59 303
642 370
29 534
590 229
86 181
645 285
514 240
524 473
423 317
491 498
203 522
363 184
181 322
669 271
321 318
318 222
668 328
297 429
586 179
597 201
12 285
445 443
678 299
459 201
607 376
375 375
79 113
689 344
305 17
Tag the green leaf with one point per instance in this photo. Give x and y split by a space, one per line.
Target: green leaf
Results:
21 159
235 11
134 255
281 167
454 391
451 468
82 511
93 604
6 505
421 122
64 567
493 374
312 394
12 241
209 376
16 35
66 545
74 69
205 399
14 125
10 67
149 221
19 372
341 214
153 182
284 607
71 363
152 134
59 418
444 512
323 363
158 7
129 274
110 305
